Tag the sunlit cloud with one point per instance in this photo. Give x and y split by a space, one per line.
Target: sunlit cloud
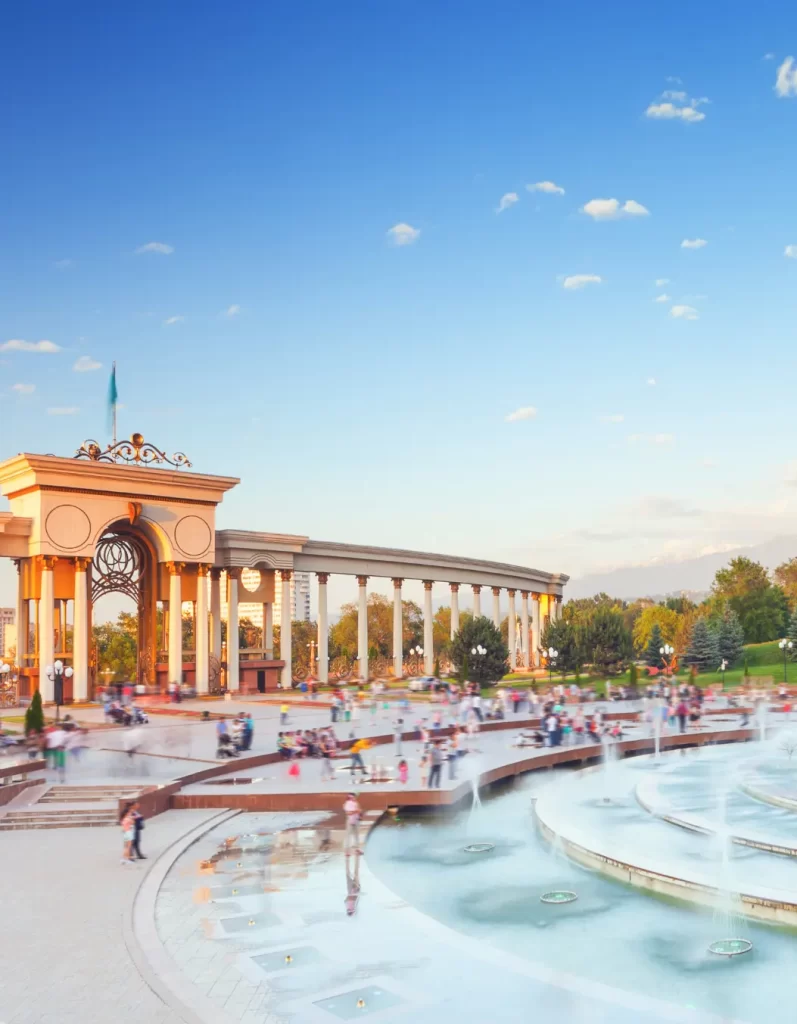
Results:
85 364
694 243
612 209
173 320
16 345
791 252
576 281
403 234
786 80
662 298
546 186
684 313
232 311
159 247
525 412
507 199
23 389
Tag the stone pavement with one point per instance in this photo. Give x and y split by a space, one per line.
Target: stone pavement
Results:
64 898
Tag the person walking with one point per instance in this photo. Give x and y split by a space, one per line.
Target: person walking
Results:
356 752
138 828
436 764
681 712
327 771
398 732
403 771
353 812
283 714
128 825
453 754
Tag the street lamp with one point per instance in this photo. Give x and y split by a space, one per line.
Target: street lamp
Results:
552 654
723 666
667 652
416 652
312 646
56 674
785 646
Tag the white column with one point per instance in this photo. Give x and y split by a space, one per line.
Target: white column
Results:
535 630
398 630
477 601
362 627
175 622
323 629
268 629
46 640
428 628
201 630
524 625
454 609
557 608
80 633
286 639
233 652
511 637
215 612
22 628
497 607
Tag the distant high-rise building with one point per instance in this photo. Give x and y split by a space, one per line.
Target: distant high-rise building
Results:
300 599
8 637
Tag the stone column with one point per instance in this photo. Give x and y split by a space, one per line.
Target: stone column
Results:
20 614
268 630
524 626
557 608
454 609
477 601
362 627
286 639
80 633
536 639
428 628
175 622
497 607
323 628
46 639
215 613
201 629
511 637
233 652
398 630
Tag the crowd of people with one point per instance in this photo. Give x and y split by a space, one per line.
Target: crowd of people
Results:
233 741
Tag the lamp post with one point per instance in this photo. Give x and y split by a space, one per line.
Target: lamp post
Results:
667 652
5 670
56 673
723 666
417 652
312 646
552 655
785 645
478 652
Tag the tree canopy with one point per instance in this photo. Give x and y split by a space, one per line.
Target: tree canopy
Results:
740 578
343 635
482 632
785 576
656 615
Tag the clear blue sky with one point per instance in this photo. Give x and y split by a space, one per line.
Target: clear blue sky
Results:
360 388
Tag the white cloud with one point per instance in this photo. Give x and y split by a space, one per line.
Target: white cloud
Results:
655 506
768 56
63 264
610 209
63 410
173 320
86 364
675 95
661 281
693 243
674 80
662 298
525 412
791 252
23 389
651 382
546 186
232 311
507 199
668 111
576 281
160 247
403 234
15 345
786 81
616 417
684 313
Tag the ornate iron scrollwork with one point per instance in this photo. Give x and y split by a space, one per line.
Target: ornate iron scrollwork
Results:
117 567
136 451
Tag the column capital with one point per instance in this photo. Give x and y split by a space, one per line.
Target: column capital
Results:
285 574
215 572
476 588
535 596
175 568
398 582
323 577
496 591
202 569
82 564
428 584
511 593
234 572
362 580
524 594
454 588
48 562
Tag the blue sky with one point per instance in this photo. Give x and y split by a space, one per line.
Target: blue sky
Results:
358 387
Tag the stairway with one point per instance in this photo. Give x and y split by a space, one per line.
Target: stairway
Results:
70 807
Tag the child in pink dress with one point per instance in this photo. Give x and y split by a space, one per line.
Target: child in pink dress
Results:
403 771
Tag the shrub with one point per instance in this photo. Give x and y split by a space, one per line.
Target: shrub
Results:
34 716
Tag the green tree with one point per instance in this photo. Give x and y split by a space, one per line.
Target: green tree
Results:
791 633
741 577
730 637
633 676
681 605
343 634
463 669
564 637
34 714
653 657
764 614
117 648
657 615
483 668
608 643
785 576
703 651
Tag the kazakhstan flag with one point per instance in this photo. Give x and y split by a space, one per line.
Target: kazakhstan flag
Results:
113 398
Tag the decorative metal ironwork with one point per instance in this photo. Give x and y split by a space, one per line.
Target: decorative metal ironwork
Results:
214 674
136 451
118 567
342 668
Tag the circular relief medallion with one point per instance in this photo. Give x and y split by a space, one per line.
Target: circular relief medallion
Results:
192 535
67 527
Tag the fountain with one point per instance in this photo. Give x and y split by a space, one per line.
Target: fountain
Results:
474 808
761 717
609 763
657 705
727 914
559 896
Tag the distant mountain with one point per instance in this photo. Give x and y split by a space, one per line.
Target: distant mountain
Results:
694 574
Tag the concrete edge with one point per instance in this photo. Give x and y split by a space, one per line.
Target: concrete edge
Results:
141 939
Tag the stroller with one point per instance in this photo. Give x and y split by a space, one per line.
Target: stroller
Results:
226 747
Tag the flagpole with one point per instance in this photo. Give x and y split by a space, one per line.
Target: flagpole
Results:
114 404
